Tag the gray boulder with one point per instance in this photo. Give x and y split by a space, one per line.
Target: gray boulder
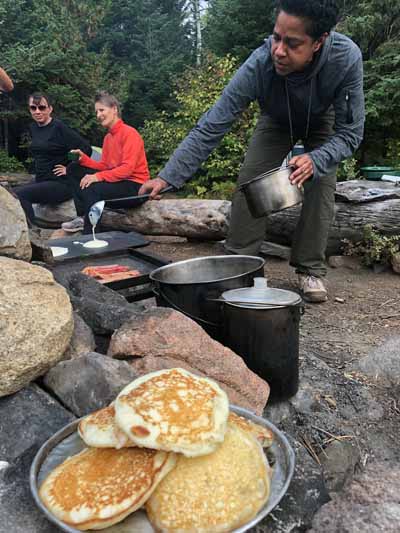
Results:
90 382
27 419
14 235
383 362
371 504
103 309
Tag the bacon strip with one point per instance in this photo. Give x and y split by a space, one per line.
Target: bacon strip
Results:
106 273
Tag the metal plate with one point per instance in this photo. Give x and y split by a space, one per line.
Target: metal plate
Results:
67 442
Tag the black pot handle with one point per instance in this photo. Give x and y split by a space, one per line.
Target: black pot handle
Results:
177 308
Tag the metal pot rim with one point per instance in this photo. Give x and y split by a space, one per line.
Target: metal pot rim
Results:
153 274
266 174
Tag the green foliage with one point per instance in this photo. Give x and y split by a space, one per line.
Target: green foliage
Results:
348 170
375 26
373 248
196 92
238 27
9 163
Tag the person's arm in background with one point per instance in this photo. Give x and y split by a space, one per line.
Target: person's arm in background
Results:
5 81
211 128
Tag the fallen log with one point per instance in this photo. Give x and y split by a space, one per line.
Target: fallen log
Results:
196 219
357 203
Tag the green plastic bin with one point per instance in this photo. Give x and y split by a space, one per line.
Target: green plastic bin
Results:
376 173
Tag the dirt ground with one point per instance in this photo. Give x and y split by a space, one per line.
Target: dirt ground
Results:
361 313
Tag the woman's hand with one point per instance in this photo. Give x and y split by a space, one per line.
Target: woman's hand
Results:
77 151
88 179
153 187
60 170
304 169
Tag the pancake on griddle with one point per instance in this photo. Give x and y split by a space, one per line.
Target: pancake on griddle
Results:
213 493
263 435
173 410
99 430
100 487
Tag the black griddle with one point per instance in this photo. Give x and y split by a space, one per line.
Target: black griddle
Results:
117 241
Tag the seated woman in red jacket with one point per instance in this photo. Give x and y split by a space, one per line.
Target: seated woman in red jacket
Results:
120 172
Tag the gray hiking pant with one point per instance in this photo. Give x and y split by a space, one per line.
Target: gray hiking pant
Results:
269 145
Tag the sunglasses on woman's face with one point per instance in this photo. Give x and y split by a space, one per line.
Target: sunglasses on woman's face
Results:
40 107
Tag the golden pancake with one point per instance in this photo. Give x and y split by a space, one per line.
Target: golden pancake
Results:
213 493
263 435
100 487
99 430
173 410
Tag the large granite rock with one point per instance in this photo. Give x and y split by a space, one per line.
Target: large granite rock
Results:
163 338
27 419
14 236
371 504
36 323
90 382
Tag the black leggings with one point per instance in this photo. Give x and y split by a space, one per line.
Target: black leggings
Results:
51 191
102 190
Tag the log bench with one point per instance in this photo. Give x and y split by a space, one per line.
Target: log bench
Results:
358 202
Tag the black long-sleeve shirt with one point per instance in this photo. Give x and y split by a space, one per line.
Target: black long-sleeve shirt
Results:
50 146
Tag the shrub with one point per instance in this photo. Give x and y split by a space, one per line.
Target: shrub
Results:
10 163
373 248
348 170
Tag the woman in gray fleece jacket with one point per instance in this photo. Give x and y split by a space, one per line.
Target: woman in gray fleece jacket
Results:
308 81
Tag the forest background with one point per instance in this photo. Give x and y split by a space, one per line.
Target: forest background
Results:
167 61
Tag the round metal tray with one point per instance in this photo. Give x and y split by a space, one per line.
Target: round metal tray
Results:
67 442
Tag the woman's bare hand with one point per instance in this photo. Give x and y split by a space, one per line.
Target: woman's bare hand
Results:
87 180
60 170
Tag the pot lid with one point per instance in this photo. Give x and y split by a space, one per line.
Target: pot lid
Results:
260 296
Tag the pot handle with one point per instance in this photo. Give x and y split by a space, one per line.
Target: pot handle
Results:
177 308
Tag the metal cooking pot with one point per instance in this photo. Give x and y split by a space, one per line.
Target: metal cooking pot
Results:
271 192
193 286
261 324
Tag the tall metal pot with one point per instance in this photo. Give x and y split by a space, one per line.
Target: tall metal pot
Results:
262 326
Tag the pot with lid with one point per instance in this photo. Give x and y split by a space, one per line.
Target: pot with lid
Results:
261 324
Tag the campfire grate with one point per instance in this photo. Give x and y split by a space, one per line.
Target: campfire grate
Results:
133 289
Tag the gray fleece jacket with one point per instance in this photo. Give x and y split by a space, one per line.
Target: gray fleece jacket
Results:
335 78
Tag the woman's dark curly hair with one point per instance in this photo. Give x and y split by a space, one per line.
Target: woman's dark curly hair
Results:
320 16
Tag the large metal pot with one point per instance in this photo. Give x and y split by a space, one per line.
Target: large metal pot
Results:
192 286
262 326
271 192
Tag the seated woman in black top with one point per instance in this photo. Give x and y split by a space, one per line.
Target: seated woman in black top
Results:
51 142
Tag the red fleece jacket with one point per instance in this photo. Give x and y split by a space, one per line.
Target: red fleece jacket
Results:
123 156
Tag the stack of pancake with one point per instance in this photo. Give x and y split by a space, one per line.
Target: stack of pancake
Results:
168 443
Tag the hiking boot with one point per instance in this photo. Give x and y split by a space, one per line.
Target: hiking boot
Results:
73 226
312 289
